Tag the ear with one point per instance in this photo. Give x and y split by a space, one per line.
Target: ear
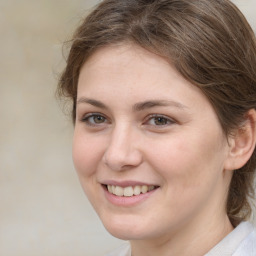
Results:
242 143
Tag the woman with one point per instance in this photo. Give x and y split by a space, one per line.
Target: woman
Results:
164 99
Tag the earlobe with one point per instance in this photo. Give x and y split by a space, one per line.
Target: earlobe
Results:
242 143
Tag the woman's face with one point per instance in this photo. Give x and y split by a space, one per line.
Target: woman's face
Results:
148 147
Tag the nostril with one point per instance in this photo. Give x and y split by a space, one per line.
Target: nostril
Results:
121 161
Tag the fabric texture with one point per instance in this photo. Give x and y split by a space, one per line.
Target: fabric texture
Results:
240 242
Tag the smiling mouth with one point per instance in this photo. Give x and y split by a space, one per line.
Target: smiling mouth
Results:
130 190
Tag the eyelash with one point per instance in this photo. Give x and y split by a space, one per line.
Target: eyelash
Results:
86 119
154 117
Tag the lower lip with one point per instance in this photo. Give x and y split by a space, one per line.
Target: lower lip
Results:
128 200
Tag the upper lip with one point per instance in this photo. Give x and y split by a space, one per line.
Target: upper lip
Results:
126 183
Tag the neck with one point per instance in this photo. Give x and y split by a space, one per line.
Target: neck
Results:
192 240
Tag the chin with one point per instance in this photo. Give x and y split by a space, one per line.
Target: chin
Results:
126 234
126 228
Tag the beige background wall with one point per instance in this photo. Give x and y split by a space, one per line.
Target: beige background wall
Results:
43 210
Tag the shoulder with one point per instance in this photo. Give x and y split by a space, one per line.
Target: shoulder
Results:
123 250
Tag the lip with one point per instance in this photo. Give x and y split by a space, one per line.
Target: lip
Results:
127 201
127 183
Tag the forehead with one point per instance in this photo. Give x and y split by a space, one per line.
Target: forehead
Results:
131 70
127 55
119 72
128 63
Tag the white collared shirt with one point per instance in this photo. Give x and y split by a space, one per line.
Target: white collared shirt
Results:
240 242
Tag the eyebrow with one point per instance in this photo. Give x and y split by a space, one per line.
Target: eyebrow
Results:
92 102
157 103
138 106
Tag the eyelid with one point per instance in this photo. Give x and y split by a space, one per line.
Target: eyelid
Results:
85 118
169 119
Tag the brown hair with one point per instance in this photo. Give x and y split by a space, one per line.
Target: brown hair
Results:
209 42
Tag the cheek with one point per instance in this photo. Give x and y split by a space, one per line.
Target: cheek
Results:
187 162
86 154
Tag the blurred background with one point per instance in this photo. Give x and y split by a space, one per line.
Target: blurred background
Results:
43 210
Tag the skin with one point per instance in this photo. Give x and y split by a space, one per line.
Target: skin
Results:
184 153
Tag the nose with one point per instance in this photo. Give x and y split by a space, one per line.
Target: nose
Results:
122 152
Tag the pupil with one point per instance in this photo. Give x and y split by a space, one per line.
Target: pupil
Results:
160 120
98 119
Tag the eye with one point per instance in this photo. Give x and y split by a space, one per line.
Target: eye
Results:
159 120
94 119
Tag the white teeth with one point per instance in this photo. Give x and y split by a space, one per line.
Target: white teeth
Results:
144 189
113 189
129 191
136 190
110 188
119 191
